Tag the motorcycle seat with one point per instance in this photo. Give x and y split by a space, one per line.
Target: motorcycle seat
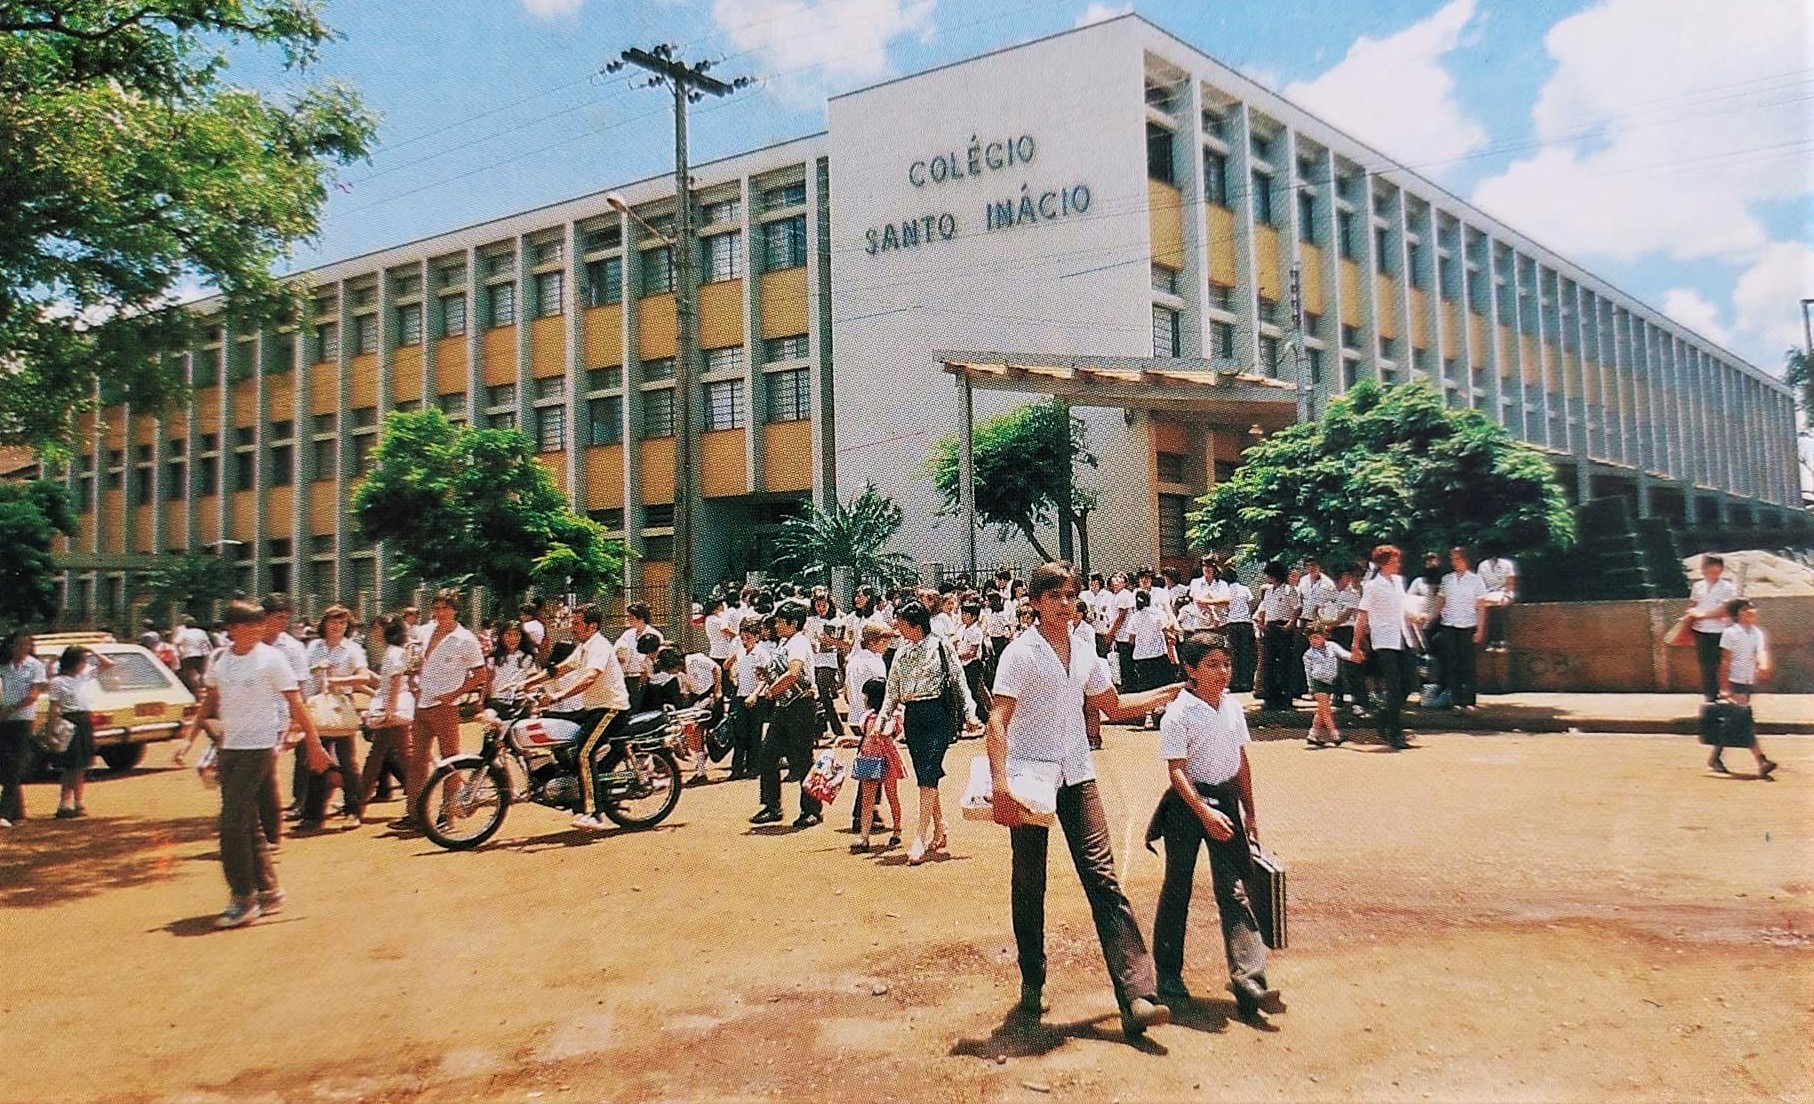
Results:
650 722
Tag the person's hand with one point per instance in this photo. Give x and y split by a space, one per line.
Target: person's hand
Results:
1253 829
1005 810
1217 824
1480 635
1359 653
319 760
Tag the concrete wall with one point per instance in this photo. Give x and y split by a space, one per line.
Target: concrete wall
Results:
1575 647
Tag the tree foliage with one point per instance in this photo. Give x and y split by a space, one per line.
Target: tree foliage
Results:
852 535
31 517
1022 460
1386 466
189 583
128 166
462 506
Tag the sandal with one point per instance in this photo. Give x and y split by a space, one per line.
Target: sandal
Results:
938 843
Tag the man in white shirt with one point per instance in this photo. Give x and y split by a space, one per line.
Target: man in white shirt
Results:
593 696
1707 616
1042 687
1118 608
793 724
535 630
276 633
252 689
1500 575
1460 618
1209 594
453 665
1379 634
192 649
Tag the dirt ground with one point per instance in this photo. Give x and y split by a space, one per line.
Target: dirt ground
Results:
1486 917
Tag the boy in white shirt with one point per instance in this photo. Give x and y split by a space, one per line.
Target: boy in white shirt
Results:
1706 614
1744 662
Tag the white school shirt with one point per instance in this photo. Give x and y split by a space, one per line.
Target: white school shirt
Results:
1240 604
298 656
1383 601
1325 663
394 663
945 625
1207 737
1202 590
1706 599
1496 573
536 632
19 679
1148 632
608 690
999 624
445 669
749 663
1745 646
1460 591
721 634
1279 604
865 666
970 637
1319 598
1047 725
341 660
1118 601
253 711
192 643
814 628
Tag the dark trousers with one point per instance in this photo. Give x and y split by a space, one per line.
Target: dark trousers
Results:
746 734
1124 662
1275 684
344 774
790 736
1294 668
15 742
270 801
1458 664
1241 642
245 854
1707 654
1242 945
386 754
979 690
1350 681
1394 669
1086 833
826 681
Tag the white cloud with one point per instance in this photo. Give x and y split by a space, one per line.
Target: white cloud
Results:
1098 12
1768 298
1395 94
548 9
1663 122
807 48
1694 310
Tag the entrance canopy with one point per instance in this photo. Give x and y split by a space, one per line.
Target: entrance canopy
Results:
1192 388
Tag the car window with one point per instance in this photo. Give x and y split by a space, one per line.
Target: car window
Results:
133 671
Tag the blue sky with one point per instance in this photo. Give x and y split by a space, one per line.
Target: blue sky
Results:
1666 145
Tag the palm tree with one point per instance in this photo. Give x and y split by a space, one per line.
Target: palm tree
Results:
851 535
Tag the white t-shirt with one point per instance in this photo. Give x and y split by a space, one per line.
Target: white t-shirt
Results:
298 657
945 625
1207 737
342 660
721 634
969 641
1240 604
1204 590
607 690
1496 573
1147 632
1460 591
19 679
394 663
815 630
747 664
1744 646
1120 600
1383 601
864 666
536 632
1047 725
251 688
701 675
192 643
1706 599
633 662
999 624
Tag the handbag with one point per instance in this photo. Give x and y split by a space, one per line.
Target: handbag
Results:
55 734
952 694
718 739
825 778
869 768
1680 635
333 714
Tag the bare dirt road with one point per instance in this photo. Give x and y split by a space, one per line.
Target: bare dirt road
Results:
1523 918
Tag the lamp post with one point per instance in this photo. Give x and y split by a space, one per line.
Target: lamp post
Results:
689 84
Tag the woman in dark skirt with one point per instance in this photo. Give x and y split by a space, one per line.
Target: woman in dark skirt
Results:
69 694
925 669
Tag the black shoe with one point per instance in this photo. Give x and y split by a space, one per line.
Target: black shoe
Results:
1718 767
1252 1003
1142 1013
1033 1001
1173 989
805 820
1766 768
766 816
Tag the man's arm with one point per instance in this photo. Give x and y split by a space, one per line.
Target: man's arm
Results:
1007 811
1244 791
1360 635
299 718
1121 707
795 672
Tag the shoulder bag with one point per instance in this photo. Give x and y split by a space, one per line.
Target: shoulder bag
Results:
952 695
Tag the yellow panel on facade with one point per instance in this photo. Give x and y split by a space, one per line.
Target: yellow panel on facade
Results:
324 389
115 419
1351 304
323 509
1533 368
362 380
207 522
548 347
605 477
783 302
657 335
604 336
1451 328
1477 340
174 537
556 463
245 402
1420 319
723 467
1221 229
497 356
282 399
1310 277
1385 304
278 503
787 456
113 521
244 509
1165 213
207 410
450 366
721 314
1266 262
406 375
657 484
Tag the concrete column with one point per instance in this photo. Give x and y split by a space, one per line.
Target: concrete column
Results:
343 455
1193 336
1246 294
573 338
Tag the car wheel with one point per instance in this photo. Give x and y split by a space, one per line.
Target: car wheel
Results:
122 757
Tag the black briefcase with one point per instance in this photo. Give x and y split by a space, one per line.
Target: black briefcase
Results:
1725 725
1267 895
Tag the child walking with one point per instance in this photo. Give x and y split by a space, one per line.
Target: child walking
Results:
879 733
1744 662
1322 669
1203 739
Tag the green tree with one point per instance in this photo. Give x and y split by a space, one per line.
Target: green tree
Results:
1798 373
190 583
852 535
1386 466
129 165
462 506
1023 464
32 515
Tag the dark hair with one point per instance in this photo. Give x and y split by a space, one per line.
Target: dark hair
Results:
751 625
831 604
912 612
394 630
971 608
638 610
1275 571
668 658
1048 577
791 612
1738 606
590 614
1229 575
523 644
528 610
874 691
1711 560
714 603
242 612
276 603
1194 647
1142 599
72 659
11 642
647 643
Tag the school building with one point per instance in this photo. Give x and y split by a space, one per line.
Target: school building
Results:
1109 214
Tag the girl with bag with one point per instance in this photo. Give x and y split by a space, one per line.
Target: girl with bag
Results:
392 709
878 766
69 695
338 667
928 681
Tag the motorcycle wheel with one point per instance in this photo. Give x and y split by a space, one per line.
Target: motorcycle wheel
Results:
462 806
647 804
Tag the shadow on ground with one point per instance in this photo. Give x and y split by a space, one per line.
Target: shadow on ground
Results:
48 862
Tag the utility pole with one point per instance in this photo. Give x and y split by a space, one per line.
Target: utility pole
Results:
690 84
1300 361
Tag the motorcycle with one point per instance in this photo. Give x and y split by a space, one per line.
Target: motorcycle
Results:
528 757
